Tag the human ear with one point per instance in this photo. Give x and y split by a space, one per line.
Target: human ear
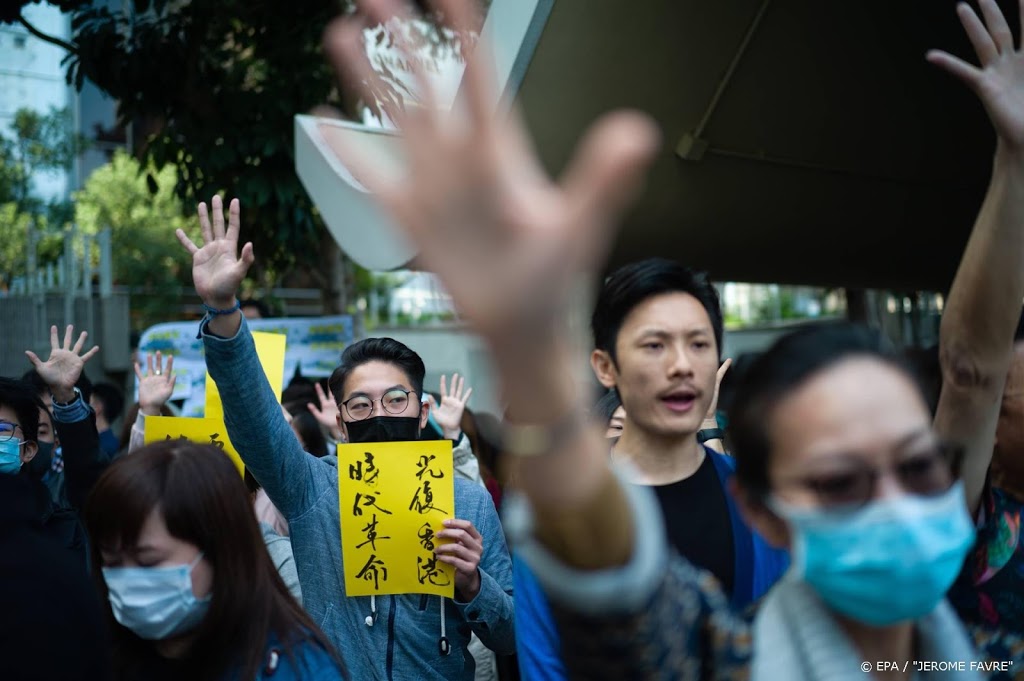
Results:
424 414
604 368
28 451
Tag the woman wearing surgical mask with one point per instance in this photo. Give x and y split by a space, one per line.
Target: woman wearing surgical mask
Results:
838 461
191 592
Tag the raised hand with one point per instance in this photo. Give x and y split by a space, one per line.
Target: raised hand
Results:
448 414
157 385
464 551
506 240
217 267
327 412
711 418
63 368
999 80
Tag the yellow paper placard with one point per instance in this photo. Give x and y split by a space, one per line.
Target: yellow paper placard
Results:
270 349
394 497
205 431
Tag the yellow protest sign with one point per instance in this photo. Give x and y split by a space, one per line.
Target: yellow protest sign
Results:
270 348
394 497
206 431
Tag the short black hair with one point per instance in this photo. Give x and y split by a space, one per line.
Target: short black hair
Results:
606 406
312 435
1019 334
386 350
260 306
788 364
112 399
300 389
632 284
20 397
40 388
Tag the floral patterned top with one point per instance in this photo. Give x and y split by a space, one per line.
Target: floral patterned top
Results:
990 590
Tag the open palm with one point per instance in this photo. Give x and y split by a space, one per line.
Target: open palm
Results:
999 80
449 413
64 366
217 267
156 386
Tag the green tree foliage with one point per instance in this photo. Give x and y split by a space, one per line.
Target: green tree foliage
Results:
142 211
36 142
211 87
215 85
14 229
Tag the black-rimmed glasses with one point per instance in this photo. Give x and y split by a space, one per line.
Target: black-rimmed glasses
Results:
7 430
393 402
925 472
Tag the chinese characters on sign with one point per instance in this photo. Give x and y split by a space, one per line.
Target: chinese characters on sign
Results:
394 498
205 431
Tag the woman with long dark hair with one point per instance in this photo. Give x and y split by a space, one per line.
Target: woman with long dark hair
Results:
191 593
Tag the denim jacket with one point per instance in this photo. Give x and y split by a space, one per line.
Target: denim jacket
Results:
404 641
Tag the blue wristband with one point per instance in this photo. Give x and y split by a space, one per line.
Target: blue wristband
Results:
212 311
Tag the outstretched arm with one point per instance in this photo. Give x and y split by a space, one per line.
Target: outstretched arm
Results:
976 336
254 419
510 245
73 420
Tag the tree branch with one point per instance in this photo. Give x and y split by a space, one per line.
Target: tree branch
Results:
46 38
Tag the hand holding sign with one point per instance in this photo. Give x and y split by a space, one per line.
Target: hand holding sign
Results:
464 553
394 498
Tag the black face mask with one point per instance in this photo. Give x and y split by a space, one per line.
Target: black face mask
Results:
384 429
40 463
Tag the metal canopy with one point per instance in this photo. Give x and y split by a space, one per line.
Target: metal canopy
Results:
805 141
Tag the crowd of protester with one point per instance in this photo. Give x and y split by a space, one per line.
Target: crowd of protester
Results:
829 508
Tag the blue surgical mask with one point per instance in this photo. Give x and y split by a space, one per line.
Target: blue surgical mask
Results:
10 456
155 602
891 561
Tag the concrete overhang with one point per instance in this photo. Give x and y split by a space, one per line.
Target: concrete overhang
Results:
804 141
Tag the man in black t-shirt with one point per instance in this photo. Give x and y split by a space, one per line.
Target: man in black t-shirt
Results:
657 336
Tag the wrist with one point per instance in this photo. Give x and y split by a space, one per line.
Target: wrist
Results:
472 590
222 307
709 424
709 434
62 394
535 386
451 434
149 410
220 301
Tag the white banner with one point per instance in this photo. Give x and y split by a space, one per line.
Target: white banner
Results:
314 345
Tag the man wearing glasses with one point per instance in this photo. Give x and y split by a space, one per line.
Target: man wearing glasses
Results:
378 387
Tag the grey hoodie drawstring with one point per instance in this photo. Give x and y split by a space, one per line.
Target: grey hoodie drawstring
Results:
371 619
443 644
